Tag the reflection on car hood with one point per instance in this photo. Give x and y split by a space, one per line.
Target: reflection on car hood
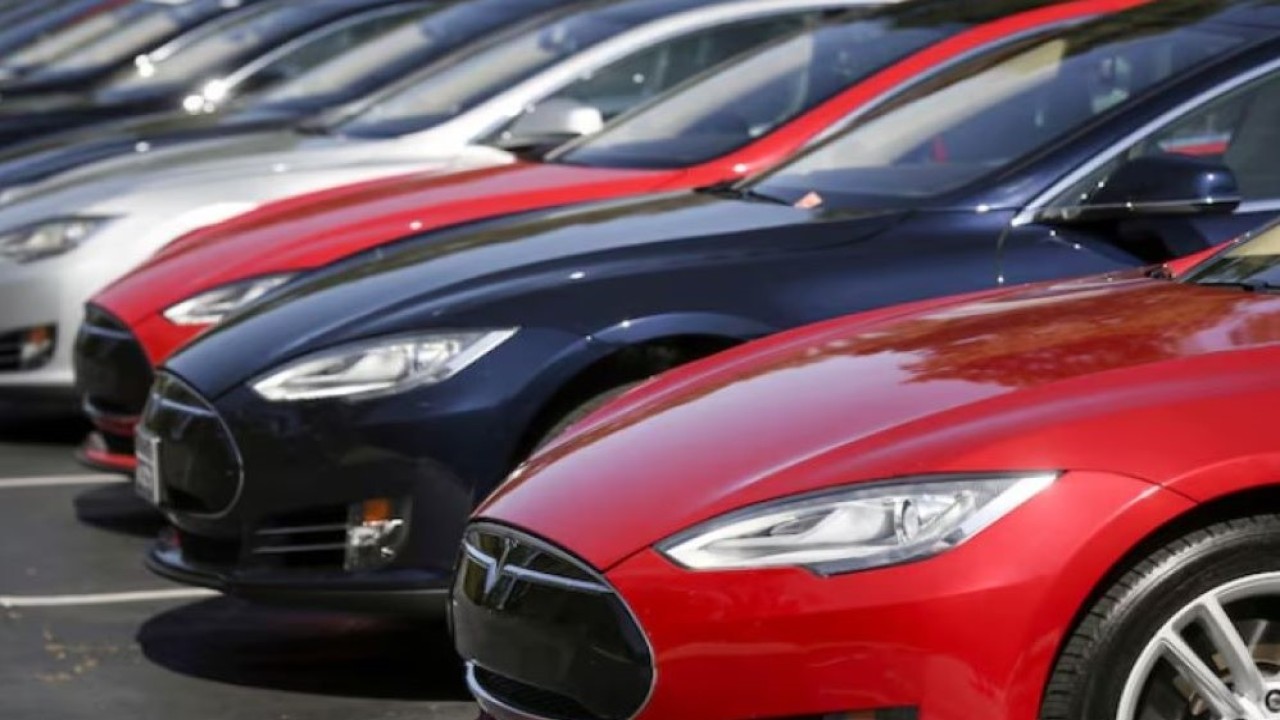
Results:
987 385
253 156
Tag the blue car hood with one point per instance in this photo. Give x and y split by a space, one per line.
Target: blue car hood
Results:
419 283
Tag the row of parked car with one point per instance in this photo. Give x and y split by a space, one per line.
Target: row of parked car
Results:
328 276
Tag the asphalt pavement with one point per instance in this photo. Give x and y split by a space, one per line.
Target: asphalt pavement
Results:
87 632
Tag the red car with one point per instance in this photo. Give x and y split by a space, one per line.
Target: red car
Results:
1057 502
703 135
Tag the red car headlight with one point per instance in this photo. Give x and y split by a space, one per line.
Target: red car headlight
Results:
212 307
857 528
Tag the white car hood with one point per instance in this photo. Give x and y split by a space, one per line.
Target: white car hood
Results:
222 178
293 164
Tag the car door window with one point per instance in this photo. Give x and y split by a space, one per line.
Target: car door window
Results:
1240 129
625 83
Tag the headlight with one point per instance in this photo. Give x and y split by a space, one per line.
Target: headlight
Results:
47 239
379 368
210 308
857 528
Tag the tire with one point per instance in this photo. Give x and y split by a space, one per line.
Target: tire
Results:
580 412
1116 637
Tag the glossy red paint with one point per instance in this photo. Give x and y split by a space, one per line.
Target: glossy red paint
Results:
1116 381
310 231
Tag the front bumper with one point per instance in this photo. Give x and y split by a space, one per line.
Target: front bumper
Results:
969 634
407 594
39 401
114 377
264 498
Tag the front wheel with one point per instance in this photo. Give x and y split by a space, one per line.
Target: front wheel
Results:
1192 632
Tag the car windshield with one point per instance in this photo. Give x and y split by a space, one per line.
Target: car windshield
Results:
115 36
299 57
186 60
724 110
442 27
987 114
483 74
1252 264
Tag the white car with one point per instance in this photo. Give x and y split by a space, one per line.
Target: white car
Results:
64 239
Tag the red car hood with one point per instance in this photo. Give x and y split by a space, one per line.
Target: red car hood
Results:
966 386
313 230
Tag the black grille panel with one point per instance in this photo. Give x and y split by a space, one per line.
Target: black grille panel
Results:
545 633
208 551
313 540
530 699
10 351
200 470
113 372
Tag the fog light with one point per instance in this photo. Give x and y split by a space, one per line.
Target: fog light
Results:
36 346
376 531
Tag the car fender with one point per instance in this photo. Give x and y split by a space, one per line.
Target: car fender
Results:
1228 477
634 331
576 358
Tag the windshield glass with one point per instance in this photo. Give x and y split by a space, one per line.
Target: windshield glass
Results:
980 118
25 24
334 73
116 36
299 57
184 61
478 77
1252 263
724 110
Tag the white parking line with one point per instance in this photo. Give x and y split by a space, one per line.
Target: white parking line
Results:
9 603
60 481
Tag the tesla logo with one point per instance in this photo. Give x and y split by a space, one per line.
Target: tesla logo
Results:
493 573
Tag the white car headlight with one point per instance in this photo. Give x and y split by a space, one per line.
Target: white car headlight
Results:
382 367
857 528
47 239
212 307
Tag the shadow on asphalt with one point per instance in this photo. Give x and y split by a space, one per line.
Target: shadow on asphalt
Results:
21 428
117 508
234 642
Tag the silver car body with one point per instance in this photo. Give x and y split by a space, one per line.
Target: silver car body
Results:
156 197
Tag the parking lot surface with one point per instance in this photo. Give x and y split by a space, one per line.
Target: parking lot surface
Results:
87 632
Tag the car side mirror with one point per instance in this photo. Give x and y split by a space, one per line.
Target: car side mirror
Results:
1156 186
552 122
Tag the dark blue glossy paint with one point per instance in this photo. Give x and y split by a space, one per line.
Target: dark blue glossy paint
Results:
28 21
46 151
589 285
38 80
94 105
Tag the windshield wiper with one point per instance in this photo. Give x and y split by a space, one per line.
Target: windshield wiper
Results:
1256 286
313 127
730 189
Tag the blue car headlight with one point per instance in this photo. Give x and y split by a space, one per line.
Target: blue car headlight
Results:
380 367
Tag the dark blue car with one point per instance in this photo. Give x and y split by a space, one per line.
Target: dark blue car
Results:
160 80
327 445
23 22
280 94
77 57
